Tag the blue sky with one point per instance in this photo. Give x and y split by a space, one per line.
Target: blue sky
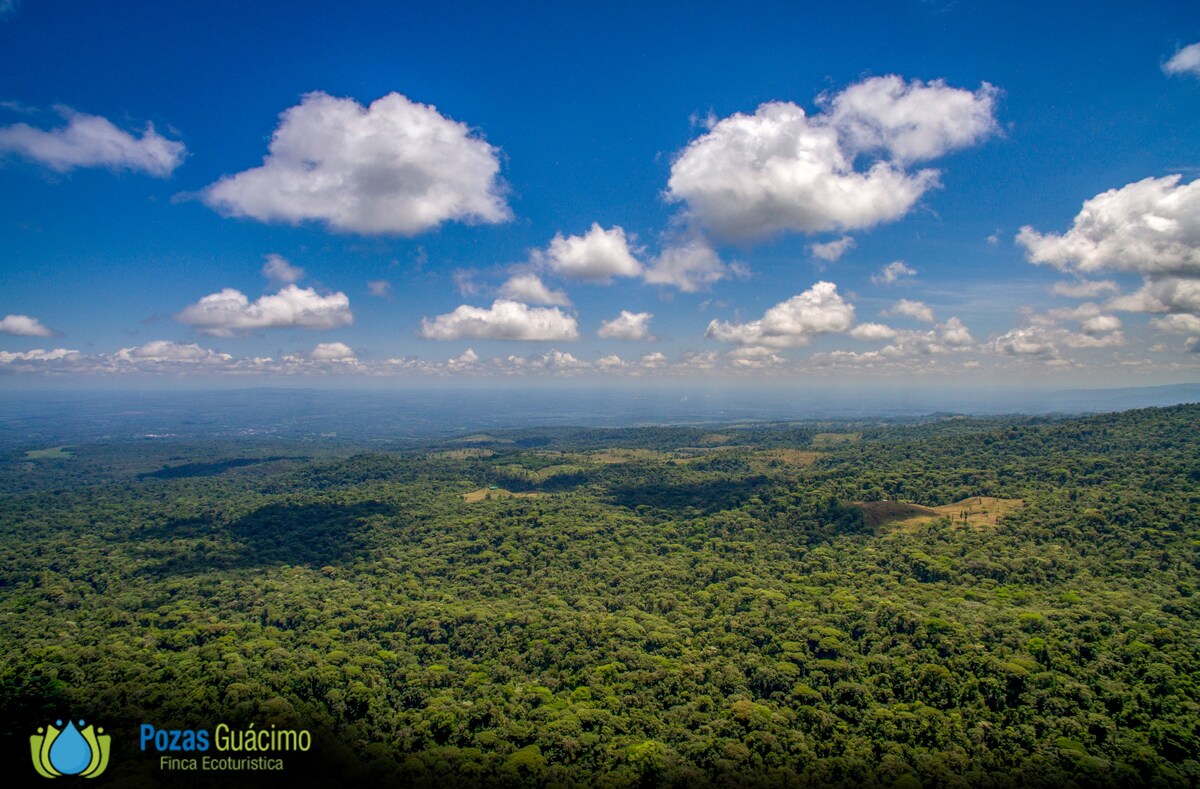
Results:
214 191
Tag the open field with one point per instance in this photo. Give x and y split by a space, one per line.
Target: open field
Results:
978 512
463 454
498 493
53 453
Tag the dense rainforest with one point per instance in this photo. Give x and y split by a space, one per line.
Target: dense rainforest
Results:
949 602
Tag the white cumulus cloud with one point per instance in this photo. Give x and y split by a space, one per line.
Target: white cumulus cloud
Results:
394 167
917 310
39 355
230 312
332 352
818 310
627 326
1084 288
1166 294
691 265
504 320
279 271
168 351
597 255
780 169
1177 324
530 289
893 272
912 121
872 332
1185 61
1151 227
93 141
24 326
832 250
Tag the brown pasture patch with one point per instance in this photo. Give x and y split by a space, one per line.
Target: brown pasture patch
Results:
793 457
829 439
498 493
463 454
977 512
627 455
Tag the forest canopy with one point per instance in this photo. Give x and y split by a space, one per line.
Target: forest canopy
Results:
741 604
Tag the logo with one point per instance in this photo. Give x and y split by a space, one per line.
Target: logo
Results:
69 751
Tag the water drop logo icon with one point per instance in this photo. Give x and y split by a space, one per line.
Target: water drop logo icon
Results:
69 750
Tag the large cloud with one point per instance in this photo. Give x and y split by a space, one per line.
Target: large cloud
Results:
627 326
1151 227
751 176
24 326
818 310
92 141
597 255
505 320
395 167
230 312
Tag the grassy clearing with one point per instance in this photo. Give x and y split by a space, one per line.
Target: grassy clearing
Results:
977 512
498 493
627 455
832 439
463 454
53 453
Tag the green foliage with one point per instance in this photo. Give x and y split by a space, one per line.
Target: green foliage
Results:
689 615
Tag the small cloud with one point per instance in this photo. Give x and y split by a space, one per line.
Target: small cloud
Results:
25 326
993 239
1084 288
692 265
168 351
530 289
280 272
627 326
229 312
332 352
872 331
832 250
92 141
464 282
380 288
893 272
598 255
818 310
917 310
1185 61
464 361
504 320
